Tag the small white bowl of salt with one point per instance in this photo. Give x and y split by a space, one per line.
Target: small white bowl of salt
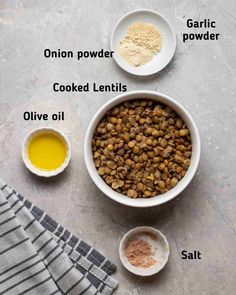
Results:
144 251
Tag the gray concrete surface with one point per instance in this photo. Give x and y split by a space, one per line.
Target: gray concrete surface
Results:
201 77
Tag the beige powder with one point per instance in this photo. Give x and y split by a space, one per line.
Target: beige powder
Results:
140 44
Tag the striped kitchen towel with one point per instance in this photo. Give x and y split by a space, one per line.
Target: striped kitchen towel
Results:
39 256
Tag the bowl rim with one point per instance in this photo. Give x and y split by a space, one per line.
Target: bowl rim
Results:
25 157
134 231
172 33
159 199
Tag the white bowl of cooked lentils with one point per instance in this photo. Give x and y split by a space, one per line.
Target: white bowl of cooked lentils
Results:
142 148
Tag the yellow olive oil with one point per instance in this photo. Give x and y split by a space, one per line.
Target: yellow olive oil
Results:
47 151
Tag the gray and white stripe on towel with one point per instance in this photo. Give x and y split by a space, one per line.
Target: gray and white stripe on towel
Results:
39 256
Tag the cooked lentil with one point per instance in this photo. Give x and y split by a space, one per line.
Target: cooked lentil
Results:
142 148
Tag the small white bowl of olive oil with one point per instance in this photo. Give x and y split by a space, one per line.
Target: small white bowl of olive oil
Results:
46 152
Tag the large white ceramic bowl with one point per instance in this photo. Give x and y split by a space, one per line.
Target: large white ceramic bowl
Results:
160 199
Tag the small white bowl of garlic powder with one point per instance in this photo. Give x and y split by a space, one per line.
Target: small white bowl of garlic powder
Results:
143 42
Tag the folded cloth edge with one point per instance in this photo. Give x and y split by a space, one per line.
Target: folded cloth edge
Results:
70 241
